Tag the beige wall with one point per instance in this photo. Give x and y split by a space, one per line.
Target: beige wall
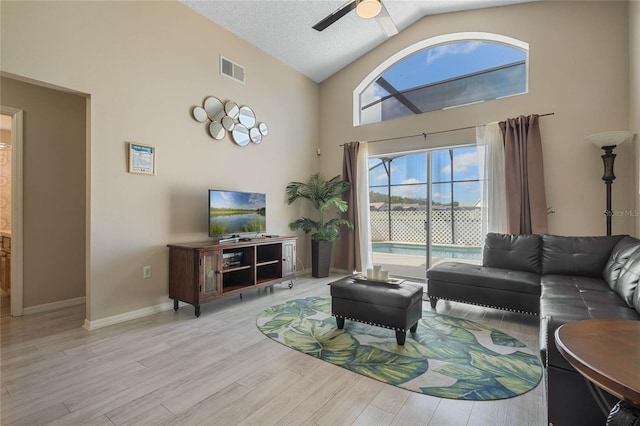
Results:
145 65
579 69
634 109
54 200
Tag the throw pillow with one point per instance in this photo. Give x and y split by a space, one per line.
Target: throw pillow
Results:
627 282
619 256
519 252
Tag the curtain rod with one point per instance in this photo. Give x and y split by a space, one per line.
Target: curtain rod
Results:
440 131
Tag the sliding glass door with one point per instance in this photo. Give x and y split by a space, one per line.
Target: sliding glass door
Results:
424 208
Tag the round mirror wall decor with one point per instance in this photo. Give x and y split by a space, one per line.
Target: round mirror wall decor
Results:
255 135
222 117
214 109
199 114
216 130
228 123
231 108
240 135
247 117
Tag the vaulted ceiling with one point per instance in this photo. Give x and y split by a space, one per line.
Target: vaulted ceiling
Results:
282 28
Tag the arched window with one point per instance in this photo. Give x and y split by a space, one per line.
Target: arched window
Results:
440 73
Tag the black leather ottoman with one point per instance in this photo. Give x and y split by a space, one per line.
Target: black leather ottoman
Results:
394 306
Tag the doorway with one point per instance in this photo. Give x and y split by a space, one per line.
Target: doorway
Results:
425 208
53 185
11 148
5 215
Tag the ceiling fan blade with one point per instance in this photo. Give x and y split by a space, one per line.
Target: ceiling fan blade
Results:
334 16
386 22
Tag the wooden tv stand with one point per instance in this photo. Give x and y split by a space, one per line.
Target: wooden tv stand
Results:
204 271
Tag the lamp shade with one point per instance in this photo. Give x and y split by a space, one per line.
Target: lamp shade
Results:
368 8
609 138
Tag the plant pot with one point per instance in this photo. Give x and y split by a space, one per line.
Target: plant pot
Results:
320 258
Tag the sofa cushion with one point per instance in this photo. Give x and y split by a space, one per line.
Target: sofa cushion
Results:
619 256
556 312
581 256
484 276
394 296
579 292
568 298
517 252
627 282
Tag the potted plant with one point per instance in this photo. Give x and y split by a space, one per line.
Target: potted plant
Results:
322 194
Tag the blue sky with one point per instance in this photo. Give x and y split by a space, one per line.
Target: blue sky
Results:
410 172
237 200
448 61
429 66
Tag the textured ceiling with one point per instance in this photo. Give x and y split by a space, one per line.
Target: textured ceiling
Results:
282 28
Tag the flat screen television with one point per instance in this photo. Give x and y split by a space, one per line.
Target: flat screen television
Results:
233 212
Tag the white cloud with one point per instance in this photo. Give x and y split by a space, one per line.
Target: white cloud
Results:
441 198
413 191
409 181
451 49
382 175
462 162
372 93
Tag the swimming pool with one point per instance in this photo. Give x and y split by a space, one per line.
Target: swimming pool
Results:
437 251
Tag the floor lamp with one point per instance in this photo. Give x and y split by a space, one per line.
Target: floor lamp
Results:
608 141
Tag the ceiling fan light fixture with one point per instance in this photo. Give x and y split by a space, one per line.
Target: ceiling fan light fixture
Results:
368 8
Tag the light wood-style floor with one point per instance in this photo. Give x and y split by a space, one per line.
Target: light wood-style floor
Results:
5 304
219 369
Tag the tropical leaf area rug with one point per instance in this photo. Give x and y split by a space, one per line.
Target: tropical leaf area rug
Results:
447 357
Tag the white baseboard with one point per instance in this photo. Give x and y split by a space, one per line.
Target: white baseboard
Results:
127 316
139 313
53 306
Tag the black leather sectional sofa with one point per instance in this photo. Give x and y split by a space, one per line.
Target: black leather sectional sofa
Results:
561 279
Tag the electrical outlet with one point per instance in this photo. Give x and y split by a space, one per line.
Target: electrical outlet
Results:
146 272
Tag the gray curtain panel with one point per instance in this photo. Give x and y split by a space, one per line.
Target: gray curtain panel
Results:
524 176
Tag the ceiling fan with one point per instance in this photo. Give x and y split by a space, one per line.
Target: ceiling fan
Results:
365 9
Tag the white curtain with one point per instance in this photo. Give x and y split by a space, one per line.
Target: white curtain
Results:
492 178
363 201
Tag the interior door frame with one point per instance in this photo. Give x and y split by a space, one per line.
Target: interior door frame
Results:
17 198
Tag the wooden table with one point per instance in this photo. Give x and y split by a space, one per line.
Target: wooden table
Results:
607 354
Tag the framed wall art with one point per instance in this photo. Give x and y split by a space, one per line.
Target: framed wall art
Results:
142 159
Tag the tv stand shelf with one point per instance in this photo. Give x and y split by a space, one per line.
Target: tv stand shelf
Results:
204 271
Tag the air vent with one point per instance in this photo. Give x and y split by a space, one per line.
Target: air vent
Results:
231 69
